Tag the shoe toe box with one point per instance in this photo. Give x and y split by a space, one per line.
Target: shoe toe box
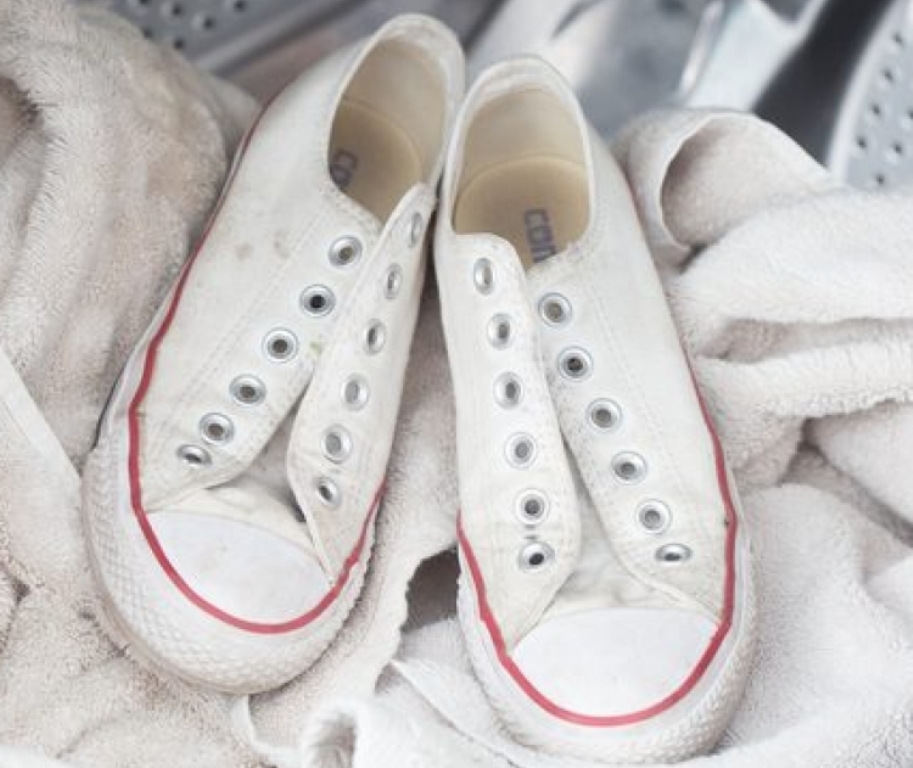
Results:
241 571
613 662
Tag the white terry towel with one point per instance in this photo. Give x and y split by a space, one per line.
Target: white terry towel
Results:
795 300
111 153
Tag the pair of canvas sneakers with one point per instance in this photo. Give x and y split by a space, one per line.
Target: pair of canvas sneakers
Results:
232 496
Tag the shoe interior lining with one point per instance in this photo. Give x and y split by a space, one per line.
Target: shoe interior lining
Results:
389 127
524 175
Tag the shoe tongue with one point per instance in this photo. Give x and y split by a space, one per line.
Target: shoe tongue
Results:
259 497
599 580
542 274
400 213
537 272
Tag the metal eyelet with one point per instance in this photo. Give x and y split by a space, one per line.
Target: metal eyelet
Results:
500 331
393 282
355 393
521 450
532 508
247 390
629 467
280 345
555 309
508 390
317 301
604 415
654 516
575 364
483 275
416 229
535 556
216 428
337 444
328 492
375 337
345 251
673 553
194 455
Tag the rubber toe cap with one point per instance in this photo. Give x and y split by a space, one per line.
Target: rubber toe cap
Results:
244 571
613 662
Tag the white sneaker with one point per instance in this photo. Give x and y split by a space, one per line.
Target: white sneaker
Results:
605 589
231 499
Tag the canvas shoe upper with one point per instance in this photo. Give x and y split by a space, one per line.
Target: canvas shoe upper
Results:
604 591
231 499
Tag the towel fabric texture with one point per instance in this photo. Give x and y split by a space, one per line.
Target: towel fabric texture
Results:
794 298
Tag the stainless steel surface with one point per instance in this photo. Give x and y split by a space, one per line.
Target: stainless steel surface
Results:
808 98
260 44
626 56
814 67
872 144
300 46
741 47
824 70
622 56
219 33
